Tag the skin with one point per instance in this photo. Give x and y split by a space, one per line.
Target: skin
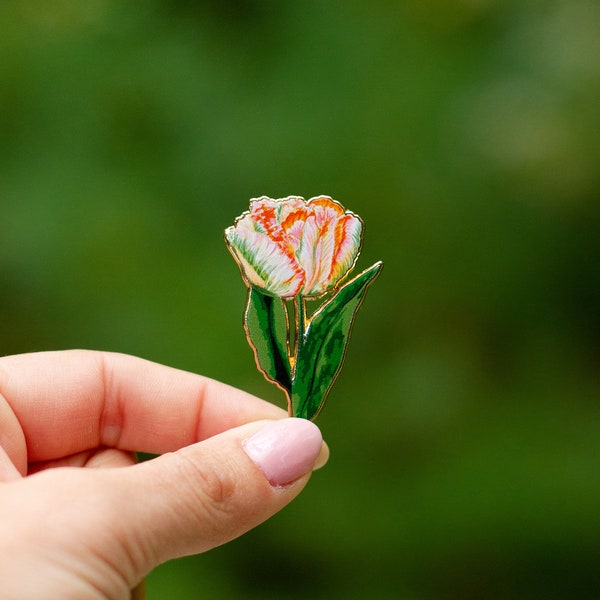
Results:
79 519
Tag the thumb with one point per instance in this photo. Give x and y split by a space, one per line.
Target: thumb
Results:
206 494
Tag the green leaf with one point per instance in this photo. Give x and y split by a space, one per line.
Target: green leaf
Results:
323 349
266 330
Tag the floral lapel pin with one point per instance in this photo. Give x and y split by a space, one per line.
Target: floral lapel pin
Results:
294 254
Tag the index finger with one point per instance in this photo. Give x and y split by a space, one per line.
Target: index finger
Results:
69 401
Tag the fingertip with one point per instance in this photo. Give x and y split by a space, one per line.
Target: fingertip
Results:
322 458
286 449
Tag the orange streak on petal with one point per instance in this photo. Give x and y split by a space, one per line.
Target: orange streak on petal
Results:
265 212
316 242
328 204
347 243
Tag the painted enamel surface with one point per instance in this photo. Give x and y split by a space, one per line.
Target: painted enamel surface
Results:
290 250
292 247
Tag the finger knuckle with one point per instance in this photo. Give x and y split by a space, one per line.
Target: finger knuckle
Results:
212 485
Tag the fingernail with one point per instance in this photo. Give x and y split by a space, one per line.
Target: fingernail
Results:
284 450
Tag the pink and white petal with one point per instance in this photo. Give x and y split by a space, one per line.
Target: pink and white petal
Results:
246 222
348 232
257 204
264 264
325 209
325 253
291 204
293 231
265 213
293 222
328 203
309 255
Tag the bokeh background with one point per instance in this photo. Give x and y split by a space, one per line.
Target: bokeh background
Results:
465 426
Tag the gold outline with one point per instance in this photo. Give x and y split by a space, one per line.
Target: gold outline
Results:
305 320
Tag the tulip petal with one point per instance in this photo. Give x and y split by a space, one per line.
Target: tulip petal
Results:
348 231
325 208
263 263
289 246
330 245
293 218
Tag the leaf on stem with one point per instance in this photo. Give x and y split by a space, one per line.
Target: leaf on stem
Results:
322 352
265 322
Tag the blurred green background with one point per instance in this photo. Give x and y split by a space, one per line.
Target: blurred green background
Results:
465 425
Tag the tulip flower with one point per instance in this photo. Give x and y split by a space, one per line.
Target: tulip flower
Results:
290 250
290 247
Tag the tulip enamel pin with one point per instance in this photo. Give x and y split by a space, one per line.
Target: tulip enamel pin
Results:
291 251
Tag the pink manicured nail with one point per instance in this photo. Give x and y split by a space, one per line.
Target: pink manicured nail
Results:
284 450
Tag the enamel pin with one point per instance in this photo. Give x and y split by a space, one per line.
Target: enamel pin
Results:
294 254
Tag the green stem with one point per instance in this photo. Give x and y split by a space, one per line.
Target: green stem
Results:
300 306
300 322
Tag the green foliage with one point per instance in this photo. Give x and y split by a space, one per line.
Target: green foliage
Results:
322 351
319 353
266 326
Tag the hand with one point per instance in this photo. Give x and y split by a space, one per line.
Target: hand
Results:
78 517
